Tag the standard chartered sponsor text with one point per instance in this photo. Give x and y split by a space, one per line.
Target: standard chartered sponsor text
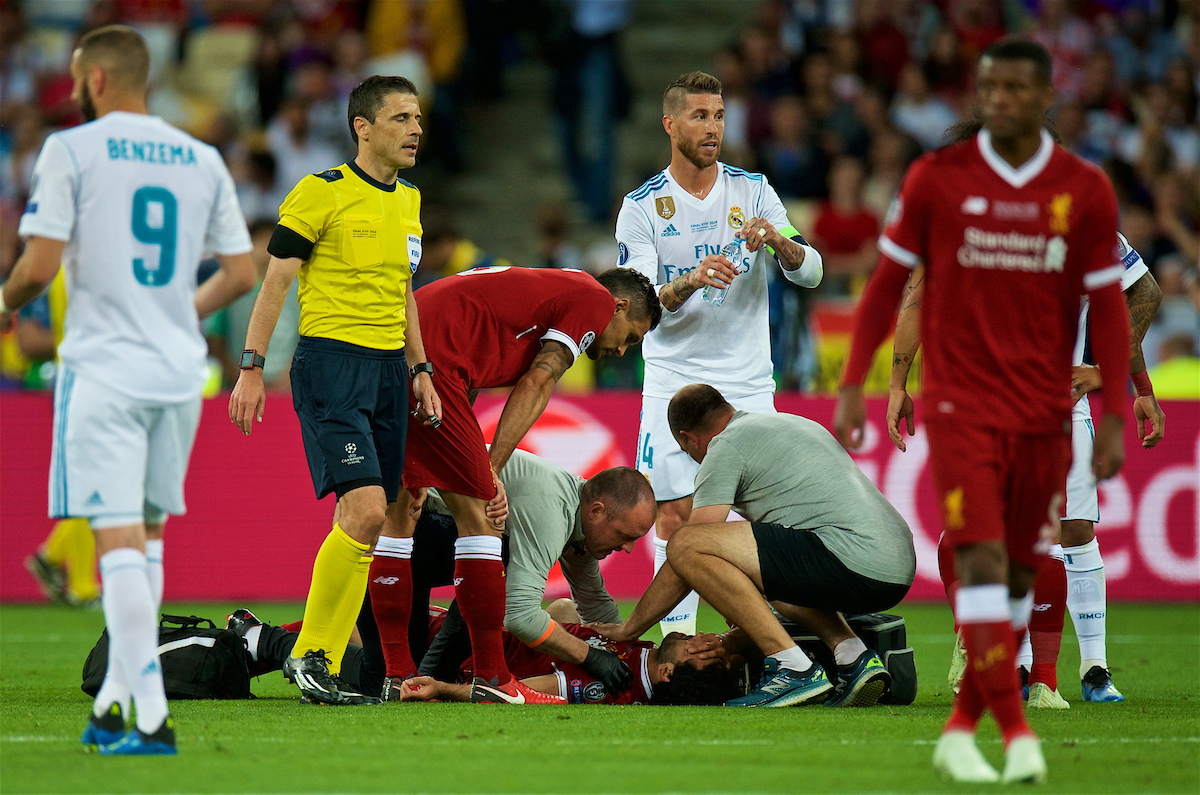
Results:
1011 251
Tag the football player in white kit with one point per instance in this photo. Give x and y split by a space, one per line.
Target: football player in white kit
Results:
128 204
673 229
1079 550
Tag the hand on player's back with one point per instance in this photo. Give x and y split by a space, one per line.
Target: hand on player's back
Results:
1108 453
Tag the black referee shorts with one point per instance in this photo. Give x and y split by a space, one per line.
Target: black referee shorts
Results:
799 569
352 403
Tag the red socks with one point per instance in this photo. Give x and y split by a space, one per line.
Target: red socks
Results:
949 575
391 592
479 590
991 677
1046 625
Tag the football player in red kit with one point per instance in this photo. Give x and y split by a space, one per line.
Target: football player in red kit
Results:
1012 230
494 327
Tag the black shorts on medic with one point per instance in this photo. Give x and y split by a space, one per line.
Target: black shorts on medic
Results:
799 569
351 402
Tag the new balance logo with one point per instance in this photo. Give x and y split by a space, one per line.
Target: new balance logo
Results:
386 580
95 499
776 686
1041 608
670 231
457 581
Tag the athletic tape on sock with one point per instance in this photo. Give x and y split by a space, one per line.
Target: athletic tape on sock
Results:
388 547
1020 610
478 548
982 604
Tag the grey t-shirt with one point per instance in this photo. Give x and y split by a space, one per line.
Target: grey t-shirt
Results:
544 528
788 470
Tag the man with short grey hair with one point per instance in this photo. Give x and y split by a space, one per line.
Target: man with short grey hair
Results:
820 540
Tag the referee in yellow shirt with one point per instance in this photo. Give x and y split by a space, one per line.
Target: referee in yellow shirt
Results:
353 235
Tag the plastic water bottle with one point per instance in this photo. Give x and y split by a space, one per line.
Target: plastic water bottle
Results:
732 252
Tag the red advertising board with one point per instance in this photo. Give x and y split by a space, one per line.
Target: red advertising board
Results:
253 525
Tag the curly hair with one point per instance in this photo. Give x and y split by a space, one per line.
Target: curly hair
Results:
690 686
628 283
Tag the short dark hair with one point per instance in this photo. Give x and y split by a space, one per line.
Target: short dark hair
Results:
693 408
368 97
624 487
689 84
119 51
628 283
690 686
1023 50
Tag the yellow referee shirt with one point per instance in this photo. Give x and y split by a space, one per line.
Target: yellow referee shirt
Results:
367 243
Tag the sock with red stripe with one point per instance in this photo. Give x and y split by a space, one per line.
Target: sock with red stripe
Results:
1046 624
479 590
988 634
391 601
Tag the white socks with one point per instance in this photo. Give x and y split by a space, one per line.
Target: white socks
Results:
683 617
846 652
154 569
475 548
389 547
793 659
251 640
1087 602
129 612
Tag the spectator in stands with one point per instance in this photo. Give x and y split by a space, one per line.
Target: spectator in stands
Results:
326 111
1179 312
1181 87
349 63
845 229
977 25
793 162
259 190
947 72
918 111
591 94
768 69
740 104
297 152
1071 122
1068 39
883 44
445 252
269 75
871 108
1177 374
1106 104
845 58
890 153
1174 220
1142 48
555 249
227 339
18 153
1157 125
837 128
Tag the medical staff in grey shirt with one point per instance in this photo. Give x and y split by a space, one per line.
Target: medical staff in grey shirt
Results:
556 517
820 540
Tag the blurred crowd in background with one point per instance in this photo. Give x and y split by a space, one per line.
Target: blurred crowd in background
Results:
831 99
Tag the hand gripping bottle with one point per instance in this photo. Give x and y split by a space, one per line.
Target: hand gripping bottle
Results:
732 252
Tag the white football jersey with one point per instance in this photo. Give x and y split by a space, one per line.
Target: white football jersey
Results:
1135 268
138 203
664 231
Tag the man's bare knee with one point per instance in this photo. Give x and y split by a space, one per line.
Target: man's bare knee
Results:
685 543
982 564
1076 532
564 611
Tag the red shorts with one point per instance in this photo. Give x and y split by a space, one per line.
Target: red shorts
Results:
996 485
453 458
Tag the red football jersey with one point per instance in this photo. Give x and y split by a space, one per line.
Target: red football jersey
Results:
1008 253
485 326
575 684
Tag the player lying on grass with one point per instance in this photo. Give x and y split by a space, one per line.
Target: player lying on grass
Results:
820 540
679 671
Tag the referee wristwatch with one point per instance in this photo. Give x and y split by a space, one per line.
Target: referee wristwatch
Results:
251 359
417 369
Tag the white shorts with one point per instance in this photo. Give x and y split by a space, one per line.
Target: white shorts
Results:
672 472
116 460
1082 501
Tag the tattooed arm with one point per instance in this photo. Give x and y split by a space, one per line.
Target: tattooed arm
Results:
528 400
675 292
1142 299
904 350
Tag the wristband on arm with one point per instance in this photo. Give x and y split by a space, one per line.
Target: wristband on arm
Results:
1141 383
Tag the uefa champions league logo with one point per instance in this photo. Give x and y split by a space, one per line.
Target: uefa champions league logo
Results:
352 456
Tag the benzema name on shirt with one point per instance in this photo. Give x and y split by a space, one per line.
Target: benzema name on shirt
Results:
150 152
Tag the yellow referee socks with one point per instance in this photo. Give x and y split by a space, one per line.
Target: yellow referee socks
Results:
333 576
72 546
347 613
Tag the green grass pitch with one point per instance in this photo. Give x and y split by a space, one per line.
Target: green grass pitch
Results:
1151 743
